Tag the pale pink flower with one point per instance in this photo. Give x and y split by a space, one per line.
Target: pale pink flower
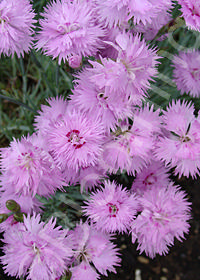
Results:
129 147
29 169
36 249
28 205
146 10
187 73
76 141
112 13
191 13
16 27
53 112
154 174
180 147
150 30
92 248
164 216
139 61
97 98
111 208
69 28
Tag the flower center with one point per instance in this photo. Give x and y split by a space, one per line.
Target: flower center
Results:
75 139
102 99
25 161
113 209
185 139
196 74
150 179
68 28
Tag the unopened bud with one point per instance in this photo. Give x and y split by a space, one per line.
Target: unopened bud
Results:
75 61
12 205
3 217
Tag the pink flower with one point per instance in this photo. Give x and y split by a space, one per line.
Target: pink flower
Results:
150 30
111 208
152 175
54 111
187 73
191 13
76 141
112 13
99 98
16 24
129 148
69 28
90 177
27 204
92 247
180 147
139 61
28 169
36 249
84 271
164 216
145 11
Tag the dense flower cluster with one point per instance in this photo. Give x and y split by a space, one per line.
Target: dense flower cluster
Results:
105 127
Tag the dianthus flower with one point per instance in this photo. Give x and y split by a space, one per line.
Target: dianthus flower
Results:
76 141
92 248
150 30
191 13
145 11
36 249
164 216
139 63
111 208
112 13
187 73
28 168
90 177
96 98
129 148
28 205
53 112
180 146
69 28
154 174
16 24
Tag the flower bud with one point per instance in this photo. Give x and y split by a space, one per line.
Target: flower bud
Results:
3 217
75 61
12 205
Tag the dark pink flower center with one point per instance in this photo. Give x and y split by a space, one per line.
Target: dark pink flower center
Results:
113 209
150 179
196 74
75 139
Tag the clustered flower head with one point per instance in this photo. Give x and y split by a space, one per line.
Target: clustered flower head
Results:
187 72
111 208
16 27
105 127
